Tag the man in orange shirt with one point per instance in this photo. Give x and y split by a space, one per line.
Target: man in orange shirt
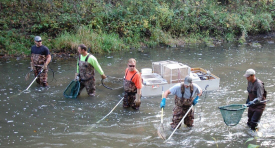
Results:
132 86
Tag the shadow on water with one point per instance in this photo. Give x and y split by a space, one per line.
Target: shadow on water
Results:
44 118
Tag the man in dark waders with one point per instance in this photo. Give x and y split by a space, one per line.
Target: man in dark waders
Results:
132 86
256 93
184 98
40 58
86 66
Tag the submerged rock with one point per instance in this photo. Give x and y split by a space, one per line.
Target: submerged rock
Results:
270 42
256 45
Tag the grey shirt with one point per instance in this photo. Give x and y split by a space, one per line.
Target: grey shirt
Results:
176 90
259 87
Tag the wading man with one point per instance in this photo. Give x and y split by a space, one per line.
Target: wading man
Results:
86 66
256 93
132 86
40 58
184 98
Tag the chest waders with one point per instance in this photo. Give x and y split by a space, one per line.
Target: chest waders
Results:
255 112
181 107
86 75
38 62
130 91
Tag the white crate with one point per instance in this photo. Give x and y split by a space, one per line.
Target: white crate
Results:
146 70
158 66
175 73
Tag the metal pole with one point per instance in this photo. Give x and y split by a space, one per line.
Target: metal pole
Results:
179 123
34 79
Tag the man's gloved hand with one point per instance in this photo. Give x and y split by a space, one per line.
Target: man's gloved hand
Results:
255 101
196 100
137 100
162 103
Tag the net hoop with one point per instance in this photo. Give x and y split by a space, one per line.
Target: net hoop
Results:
232 114
113 80
72 90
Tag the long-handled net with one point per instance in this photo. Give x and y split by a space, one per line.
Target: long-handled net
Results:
232 114
112 83
72 90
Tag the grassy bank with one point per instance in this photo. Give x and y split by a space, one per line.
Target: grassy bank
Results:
115 25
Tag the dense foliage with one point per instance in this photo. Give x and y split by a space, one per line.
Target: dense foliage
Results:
112 25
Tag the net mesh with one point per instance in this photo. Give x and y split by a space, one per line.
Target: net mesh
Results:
112 83
72 90
232 114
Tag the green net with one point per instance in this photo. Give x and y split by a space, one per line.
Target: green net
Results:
232 114
72 90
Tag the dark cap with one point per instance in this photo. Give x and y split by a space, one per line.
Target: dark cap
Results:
37 38
187 80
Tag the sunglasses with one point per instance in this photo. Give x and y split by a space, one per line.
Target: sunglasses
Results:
131 65
39 41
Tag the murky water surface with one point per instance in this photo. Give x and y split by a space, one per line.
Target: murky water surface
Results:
44 118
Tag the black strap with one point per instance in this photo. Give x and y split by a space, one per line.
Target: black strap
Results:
191 90
87 57
132 76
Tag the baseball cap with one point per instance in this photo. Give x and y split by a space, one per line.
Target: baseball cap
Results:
187 80
37 38
249 72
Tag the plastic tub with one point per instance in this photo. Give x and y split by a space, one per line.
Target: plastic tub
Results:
146 70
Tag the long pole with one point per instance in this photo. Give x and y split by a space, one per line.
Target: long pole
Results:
179 123
89 129
110 111
34 79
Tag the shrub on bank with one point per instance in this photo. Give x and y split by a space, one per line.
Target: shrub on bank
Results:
114 25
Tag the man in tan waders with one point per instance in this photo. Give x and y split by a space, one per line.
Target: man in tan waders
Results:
256 93
184 98
40 58
132 86
86 66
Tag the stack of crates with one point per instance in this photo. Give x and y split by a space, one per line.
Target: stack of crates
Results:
158 66
175 73
171 71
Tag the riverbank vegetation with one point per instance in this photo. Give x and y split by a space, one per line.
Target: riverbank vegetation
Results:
114 25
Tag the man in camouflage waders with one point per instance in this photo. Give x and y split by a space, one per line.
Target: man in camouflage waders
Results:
86 66
132 86
256 93
184 98
40 58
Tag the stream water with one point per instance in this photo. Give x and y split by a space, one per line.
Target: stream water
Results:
42 117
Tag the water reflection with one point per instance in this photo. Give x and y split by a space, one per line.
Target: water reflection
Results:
44 118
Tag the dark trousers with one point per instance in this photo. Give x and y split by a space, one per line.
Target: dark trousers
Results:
129 100
43 77
254 116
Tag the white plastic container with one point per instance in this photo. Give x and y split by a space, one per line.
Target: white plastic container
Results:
146 70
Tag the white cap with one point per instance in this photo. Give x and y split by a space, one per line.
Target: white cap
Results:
249 72
187 80
37 38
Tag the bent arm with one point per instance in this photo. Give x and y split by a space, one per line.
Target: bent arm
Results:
260 92
49 58
166 93
200 92
93 61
